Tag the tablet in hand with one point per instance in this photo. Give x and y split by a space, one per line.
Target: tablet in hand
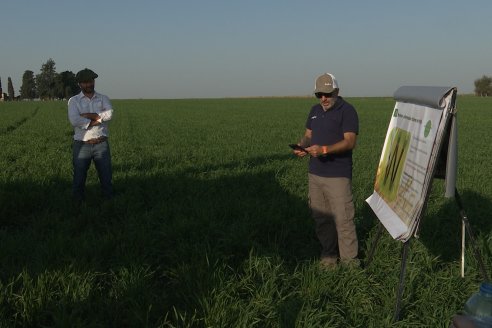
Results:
297 147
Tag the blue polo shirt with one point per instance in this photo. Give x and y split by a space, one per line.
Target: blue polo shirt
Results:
327 129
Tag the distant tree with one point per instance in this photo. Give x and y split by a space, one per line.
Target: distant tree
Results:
483 86
58 88
28 88
47 81
67 85
10 89
1 91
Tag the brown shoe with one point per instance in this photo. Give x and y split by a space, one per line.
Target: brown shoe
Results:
328 262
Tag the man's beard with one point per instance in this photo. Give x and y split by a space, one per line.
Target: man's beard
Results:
88 89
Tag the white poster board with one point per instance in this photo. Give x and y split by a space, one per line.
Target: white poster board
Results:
409 156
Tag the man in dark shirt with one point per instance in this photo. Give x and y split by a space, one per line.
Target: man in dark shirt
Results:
331 132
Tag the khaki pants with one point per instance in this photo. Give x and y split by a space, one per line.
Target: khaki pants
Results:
332 209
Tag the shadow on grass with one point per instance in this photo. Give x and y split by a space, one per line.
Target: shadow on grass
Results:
367 224
178 228
441 232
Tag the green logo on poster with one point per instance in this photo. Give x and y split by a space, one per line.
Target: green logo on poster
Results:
427 129
395 113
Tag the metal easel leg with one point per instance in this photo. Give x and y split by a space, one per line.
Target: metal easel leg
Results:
406 245
374 244
466 226
463 243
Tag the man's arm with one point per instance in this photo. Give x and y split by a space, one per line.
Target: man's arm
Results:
305 142
347 144
91 116
95 118
107 113
74 116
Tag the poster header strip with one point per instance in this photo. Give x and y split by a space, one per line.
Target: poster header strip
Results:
423 95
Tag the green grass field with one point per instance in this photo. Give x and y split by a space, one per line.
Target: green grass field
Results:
210 225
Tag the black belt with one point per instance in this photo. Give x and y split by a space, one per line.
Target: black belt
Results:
94 141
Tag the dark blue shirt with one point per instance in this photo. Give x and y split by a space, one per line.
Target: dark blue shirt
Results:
327 129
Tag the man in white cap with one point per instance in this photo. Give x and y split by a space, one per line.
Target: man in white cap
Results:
331 132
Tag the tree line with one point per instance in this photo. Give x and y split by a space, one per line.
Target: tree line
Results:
483 86
47 85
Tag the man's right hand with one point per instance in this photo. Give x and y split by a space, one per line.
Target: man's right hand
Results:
299 153
94 117
91 116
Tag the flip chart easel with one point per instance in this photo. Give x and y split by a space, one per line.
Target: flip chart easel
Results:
413 155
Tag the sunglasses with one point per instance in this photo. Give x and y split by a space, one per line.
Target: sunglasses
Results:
321 94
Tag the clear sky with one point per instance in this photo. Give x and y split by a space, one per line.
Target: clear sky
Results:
212 48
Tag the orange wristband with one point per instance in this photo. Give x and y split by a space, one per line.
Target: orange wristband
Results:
324 150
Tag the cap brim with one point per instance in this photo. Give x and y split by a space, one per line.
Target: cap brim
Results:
324 90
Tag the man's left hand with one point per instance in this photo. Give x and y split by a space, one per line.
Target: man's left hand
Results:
315 150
